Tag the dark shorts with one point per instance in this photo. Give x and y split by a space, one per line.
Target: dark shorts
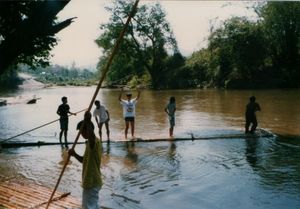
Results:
251 119
129 119
64 123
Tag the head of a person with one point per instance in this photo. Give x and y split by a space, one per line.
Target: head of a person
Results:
97 103
172 99
88 126
129 95
64 100
252 99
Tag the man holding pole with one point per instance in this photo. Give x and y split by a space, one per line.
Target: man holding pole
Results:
91 161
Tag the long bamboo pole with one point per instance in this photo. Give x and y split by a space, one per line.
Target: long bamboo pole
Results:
103 75
33 129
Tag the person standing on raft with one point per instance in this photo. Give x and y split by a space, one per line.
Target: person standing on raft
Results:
129 110
250 115
63 111
101 115
170 110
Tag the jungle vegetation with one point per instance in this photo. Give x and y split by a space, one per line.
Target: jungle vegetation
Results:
240 53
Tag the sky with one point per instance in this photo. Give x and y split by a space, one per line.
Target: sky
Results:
190 21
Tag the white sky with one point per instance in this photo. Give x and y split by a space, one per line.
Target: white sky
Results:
190 21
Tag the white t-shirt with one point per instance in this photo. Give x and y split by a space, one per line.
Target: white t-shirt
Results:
128 107
101 114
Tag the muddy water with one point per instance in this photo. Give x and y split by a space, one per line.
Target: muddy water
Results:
221 173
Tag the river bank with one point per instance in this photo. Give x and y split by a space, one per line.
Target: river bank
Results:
29 82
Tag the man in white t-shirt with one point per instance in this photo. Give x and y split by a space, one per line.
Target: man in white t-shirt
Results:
129 111
101 115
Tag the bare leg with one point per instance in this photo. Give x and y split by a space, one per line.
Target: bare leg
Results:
60 135
132 128
107 129
171 131
100 130
247 127
126 128
254 125
66 136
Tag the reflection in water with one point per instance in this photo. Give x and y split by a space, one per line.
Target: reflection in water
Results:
182 174
131 153
251 155
64 156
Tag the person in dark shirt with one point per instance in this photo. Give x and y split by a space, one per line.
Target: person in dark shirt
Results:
251 108
63 111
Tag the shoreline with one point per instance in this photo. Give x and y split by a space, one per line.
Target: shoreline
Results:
29 82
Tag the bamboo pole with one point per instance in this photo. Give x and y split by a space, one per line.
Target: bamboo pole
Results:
4 140
106 69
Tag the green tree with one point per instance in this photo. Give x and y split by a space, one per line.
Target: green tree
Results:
281 21
237 53
146 44
27 31
198 65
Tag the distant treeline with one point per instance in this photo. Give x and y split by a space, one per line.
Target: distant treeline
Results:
59 75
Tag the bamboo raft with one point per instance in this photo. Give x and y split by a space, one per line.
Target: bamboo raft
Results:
19 195
32 144
260 133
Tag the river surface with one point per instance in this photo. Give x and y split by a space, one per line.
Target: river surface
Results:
229 173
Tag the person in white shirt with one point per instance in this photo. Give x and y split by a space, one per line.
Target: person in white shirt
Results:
129 110
101 115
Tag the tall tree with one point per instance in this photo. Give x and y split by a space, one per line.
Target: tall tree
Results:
281 22
146 44
27 31
238 52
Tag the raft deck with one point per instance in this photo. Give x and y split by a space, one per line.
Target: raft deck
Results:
14 194
260 133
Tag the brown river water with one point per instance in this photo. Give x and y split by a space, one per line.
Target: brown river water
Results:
220 173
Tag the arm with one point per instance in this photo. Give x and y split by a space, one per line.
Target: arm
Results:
258 107
74 154
166 110
58 111
138 96
96 118
121 93
72 113
107 115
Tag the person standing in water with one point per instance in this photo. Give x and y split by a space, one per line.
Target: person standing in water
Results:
250 115
91 162
101 115
170 110
129 110
63 111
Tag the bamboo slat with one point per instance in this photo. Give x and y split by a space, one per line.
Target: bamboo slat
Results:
19 195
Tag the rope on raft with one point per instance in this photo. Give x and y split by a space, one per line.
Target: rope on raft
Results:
102 77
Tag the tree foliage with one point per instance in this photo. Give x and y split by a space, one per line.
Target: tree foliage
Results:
27 31
253 54
237 52
146 44
281 22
